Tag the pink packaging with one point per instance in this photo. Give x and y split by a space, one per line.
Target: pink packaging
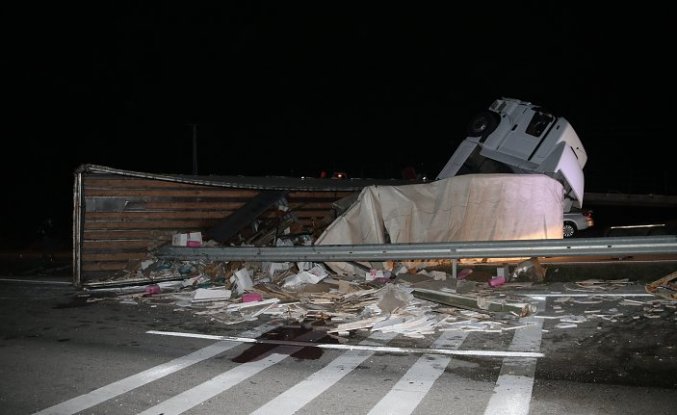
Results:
497 281
249 297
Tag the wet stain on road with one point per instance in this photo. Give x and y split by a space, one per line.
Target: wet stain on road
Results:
302 334
75 302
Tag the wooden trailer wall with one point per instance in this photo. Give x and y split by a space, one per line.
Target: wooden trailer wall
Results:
120 216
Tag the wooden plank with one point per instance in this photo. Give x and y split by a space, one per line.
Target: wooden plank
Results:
204 205
299 213
138 244
135 183
194 225
103 266
320 195
116 256
154 215
136 204
115 234
127 203
198 192
313 212
314 222
310 205
475 303
163 229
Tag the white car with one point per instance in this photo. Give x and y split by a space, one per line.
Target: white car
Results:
577 220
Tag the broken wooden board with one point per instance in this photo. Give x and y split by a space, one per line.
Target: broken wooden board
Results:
474 303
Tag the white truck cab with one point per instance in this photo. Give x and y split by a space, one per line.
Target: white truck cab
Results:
517 136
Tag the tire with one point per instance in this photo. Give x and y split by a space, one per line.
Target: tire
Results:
569 230
483 124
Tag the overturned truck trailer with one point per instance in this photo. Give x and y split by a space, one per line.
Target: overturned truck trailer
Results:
122 218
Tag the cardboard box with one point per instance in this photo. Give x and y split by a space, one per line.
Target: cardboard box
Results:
192 239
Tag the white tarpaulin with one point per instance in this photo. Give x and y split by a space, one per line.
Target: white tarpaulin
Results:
473 207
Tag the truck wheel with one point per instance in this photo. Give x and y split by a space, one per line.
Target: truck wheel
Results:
482 124
569 230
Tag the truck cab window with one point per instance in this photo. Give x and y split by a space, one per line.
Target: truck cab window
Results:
539 122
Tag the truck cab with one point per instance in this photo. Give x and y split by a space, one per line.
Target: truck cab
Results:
520 137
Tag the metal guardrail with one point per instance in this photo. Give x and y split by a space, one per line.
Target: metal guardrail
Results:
614 246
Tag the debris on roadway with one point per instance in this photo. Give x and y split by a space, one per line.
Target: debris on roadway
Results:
409 298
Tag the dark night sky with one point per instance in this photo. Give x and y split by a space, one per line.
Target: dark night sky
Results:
288 89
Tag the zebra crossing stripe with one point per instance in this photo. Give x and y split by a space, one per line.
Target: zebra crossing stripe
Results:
515 383
104 393
218 384
410 390
305 391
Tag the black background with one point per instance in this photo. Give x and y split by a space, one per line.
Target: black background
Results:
292 89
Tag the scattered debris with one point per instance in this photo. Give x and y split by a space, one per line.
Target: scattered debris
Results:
665 287
475 303
411 298
529 270
600 285
210 294
191 239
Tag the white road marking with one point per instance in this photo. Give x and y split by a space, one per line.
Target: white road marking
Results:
305 391
365 347
218 384
512 393
542 297
184 334
410 390
104 393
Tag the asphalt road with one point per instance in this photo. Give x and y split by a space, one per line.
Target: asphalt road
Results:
64 354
